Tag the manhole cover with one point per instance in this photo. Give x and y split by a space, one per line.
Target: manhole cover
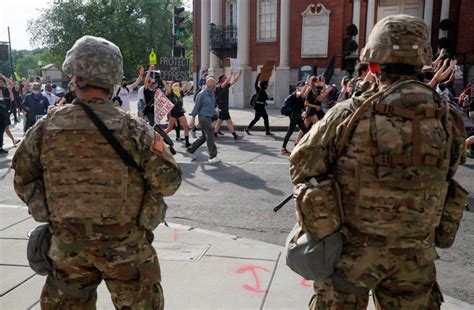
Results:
176 251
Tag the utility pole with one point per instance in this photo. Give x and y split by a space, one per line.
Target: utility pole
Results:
11 56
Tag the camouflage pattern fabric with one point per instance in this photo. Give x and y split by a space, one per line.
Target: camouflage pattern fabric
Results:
398 39
394 179
95 61
99 209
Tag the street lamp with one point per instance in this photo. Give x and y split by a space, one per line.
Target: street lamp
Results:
40 65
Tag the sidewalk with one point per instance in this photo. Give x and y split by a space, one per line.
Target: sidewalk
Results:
200 270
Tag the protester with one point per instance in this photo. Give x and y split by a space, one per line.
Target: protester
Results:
362 69
4 119
176 95
123 91
296 118
17 100
259 106
69 97
222 100
149 96
346 89
48 93
35 105
204 108
7 98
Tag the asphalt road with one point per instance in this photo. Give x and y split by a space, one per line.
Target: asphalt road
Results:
237 197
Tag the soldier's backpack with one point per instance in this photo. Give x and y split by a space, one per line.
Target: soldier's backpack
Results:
288 104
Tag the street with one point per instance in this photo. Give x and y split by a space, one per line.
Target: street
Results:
237 197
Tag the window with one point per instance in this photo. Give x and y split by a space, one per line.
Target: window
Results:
267 20
231 16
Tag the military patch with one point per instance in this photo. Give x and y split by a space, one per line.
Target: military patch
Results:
158 144
413 98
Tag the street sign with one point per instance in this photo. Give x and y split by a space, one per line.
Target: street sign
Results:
174 68
4 52
152 57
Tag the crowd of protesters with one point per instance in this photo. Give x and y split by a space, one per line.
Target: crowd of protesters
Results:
25 100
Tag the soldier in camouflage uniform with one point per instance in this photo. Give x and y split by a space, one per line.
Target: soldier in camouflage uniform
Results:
101 211
395 174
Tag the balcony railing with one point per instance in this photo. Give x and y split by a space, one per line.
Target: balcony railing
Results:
223 40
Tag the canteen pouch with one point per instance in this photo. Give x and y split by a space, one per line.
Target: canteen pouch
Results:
37 250
454 206
318 207
312 259
152 212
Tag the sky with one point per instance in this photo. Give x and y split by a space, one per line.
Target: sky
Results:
16 14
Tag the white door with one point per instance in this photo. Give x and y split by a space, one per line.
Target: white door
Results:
392 7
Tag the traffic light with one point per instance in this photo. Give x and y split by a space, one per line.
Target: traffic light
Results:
178 20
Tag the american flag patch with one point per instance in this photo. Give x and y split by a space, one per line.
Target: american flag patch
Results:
158 143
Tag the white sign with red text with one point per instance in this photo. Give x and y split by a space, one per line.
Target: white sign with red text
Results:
162 106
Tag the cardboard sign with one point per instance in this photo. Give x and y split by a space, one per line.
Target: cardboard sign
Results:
152 57
266 71
162 106
174 69
234 64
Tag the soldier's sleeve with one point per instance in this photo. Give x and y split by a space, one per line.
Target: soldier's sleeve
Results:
316 152
28 181
456 198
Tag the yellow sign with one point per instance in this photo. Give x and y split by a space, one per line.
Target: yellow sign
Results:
152 57
17 76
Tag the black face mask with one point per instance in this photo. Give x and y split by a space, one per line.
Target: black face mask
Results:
124 84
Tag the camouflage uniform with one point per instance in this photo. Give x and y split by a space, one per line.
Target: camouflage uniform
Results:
394 177
100 210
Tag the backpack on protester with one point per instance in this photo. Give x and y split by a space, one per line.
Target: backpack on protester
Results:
288 104
253 100
116 99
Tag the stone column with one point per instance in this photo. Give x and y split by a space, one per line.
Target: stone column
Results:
428 15
204 35
370 19
215 67
282 73
356 17
444 15
242 91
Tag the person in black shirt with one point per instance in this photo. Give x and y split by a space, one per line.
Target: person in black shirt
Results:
315 91
296 118
260 103
69 97
176 95
16 103
222 101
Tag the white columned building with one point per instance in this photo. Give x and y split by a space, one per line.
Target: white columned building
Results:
215 67
370 19
282 73
356 18
428 14
444 15
204 36
240 94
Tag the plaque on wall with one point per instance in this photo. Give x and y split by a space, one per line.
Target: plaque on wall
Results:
315 32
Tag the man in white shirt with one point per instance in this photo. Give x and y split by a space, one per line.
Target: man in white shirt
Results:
48 93
123 91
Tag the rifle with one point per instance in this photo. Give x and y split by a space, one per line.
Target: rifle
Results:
166 138
282 203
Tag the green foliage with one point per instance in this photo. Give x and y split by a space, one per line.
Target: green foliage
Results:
136 26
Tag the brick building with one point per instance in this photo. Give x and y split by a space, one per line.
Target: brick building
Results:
257 30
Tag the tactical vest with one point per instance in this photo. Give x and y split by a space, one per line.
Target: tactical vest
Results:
85 180
393 174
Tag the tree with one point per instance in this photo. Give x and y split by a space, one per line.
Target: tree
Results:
136 26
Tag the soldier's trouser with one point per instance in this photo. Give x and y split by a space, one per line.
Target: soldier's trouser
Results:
129 267
399 279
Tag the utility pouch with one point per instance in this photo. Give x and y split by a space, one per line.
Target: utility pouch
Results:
454 206
319 208
39 242
152 212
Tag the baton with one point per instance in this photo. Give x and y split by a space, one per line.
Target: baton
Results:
282 203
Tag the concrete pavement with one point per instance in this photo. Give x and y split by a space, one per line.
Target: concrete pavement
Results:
201 269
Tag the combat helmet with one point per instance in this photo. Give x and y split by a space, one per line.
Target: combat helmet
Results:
95 61
398 39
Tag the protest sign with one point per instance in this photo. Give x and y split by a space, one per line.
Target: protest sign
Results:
174 68
266 71
234 64
162 106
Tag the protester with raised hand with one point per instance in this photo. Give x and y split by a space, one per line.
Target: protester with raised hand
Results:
123 91
222 101
176 95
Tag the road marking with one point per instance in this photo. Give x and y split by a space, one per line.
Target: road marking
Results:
232 163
